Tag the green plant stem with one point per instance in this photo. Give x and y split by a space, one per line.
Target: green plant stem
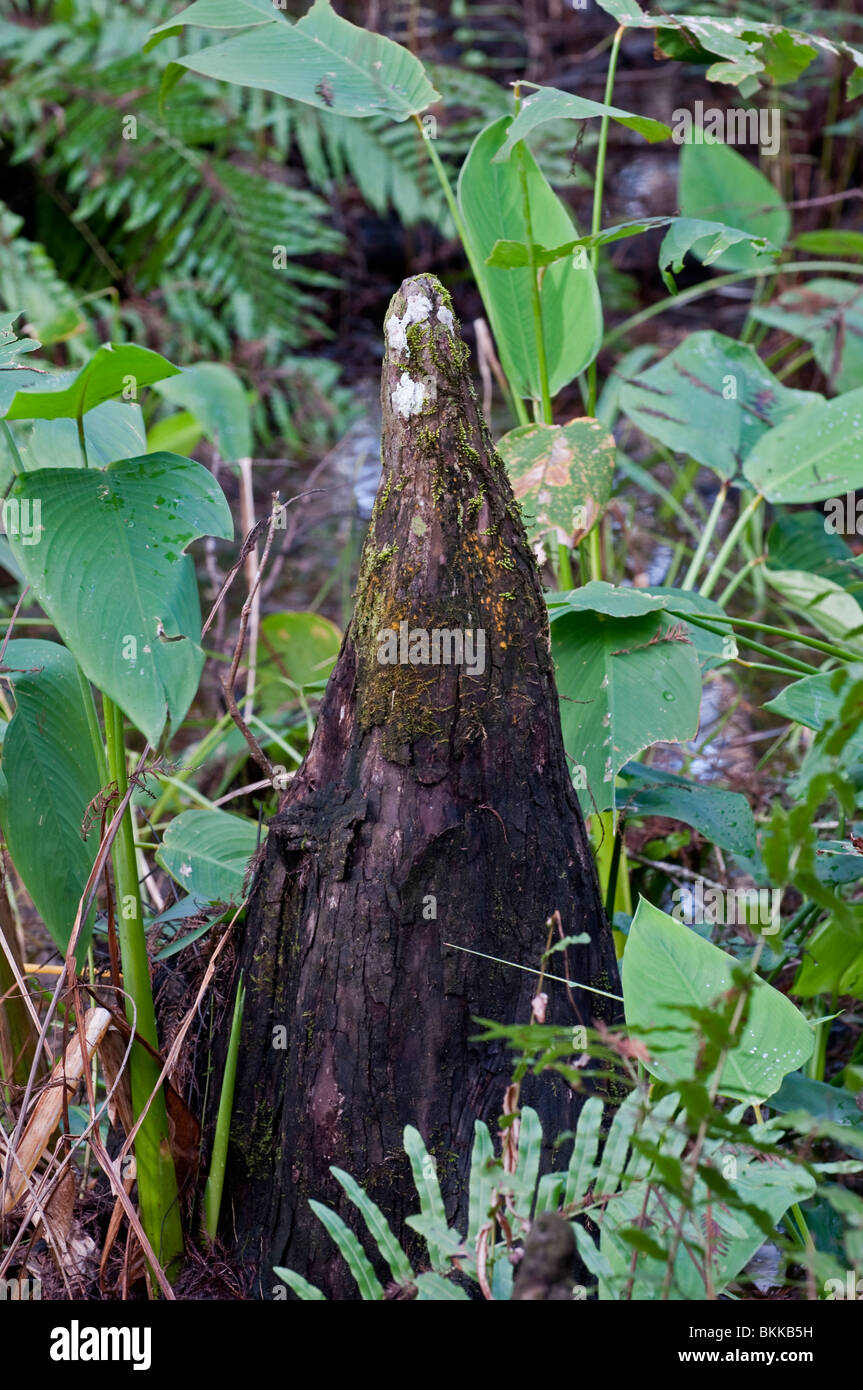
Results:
715 572
805 1237
157 1182
624 329
535 298
598 188
564 568
216 1178
734 584
92 723
802 667
18 464
82 441
800 639
794 366
707 536
517 404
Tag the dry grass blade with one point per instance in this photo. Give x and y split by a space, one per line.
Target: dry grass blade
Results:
48 1109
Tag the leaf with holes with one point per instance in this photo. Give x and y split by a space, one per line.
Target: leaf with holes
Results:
111 574
718 183
550 104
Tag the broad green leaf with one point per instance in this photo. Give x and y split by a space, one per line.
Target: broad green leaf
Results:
800 1092
718 183
562 476
111 371
709 241
175 434
831 241
378 1227
770 1187
623 11
827 606
833 963
815 699
324 61
110 568
208 852
714 648
216 397
601 597
50 777
706 239
113 430
808 541
550 104
668 967
352 1252
490 196
748 50
827 313
812 456
713 399
296 651
723 818
13 348
301 1287
222 14
624 683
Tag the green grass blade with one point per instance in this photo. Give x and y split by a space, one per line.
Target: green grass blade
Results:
370 1287
379 1227
216 1178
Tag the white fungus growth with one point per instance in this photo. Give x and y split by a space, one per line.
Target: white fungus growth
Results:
445 317
417 310
407 398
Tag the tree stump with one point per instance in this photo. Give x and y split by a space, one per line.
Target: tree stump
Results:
434 811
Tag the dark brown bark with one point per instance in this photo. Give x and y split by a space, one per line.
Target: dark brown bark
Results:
426 787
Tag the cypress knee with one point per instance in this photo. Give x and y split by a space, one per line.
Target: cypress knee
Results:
434 811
